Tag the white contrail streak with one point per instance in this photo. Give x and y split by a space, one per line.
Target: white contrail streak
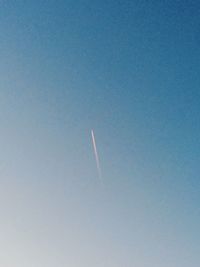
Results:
96 155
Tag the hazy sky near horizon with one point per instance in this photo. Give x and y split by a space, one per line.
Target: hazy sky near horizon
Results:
130 71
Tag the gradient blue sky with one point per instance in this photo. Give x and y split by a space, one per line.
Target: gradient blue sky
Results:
129 70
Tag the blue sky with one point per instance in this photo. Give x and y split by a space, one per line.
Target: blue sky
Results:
130 71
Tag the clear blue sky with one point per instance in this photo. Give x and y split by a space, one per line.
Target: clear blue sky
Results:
130 71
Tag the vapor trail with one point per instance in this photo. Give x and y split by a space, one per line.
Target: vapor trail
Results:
96 155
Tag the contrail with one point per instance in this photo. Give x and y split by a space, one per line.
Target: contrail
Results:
96 155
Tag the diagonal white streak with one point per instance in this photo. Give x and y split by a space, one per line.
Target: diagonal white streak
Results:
96 155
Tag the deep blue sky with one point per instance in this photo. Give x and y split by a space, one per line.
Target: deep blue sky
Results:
130 71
